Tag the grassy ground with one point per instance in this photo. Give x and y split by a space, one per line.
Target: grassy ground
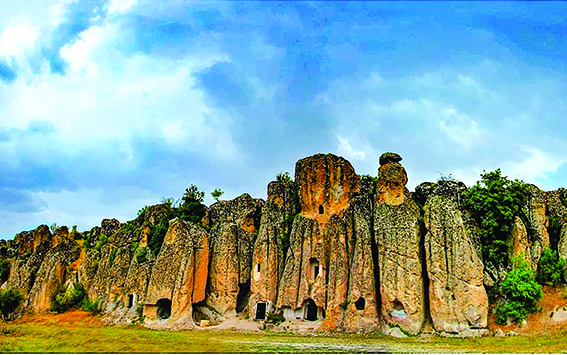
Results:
76 331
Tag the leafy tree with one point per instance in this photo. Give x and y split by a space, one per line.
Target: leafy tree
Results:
520 291
193 194
4 270
283 177
53 227
64 298
550 268
494 201
217 193
10 300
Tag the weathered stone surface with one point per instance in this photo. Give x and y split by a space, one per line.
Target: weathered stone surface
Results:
179 273
271 246
54 270
32 246
397 236
457 298
326 182
389 157
307 250
537 222
392 179
519 243
235 225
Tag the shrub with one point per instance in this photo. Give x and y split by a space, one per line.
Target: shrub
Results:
4 270
283 177
444 177
520 291
64 298
10 300
142 256
275 318
550 268
92 307
102 240
157 234
53 227
494 202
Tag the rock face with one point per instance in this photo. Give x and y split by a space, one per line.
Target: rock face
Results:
235 227
179 274
271 246
457 298
343 251
537 223
326 182
397 236
53 270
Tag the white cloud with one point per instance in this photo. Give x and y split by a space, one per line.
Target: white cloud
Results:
17 40
345 149
118 6
535 166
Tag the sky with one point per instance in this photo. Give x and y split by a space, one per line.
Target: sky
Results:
110 105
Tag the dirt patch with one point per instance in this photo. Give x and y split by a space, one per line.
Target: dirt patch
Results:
69 318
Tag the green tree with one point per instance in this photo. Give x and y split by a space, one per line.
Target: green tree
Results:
217 193
193 194
550 268
4 270
494 201
283 177
64 298
10 300
53 227
520 291
192 208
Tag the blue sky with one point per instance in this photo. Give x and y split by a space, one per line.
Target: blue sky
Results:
110 105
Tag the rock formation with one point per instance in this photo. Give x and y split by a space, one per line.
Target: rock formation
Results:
346 252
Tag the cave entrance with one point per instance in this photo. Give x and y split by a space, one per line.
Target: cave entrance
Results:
321 209
399 311
360 304
261 310
243 296
310 312
314 268
130 301
164 308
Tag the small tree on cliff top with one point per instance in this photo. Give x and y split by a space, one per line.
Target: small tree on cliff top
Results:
217 193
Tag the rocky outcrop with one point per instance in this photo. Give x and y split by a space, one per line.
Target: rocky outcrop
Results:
54 270
457 298
397 236
326 183
519 243
179 274
272 243
537 222
235 225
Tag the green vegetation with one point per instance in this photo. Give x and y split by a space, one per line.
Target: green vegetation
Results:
275 318
111 257
10 300
217 193
64 298
142 256
4 270
494 202
444 177
554 230
520 291
283 177
92 307
102 240
53 227
550 268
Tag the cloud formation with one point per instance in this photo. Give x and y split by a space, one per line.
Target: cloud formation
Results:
108 105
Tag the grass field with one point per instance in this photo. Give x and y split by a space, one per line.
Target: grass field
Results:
77 331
